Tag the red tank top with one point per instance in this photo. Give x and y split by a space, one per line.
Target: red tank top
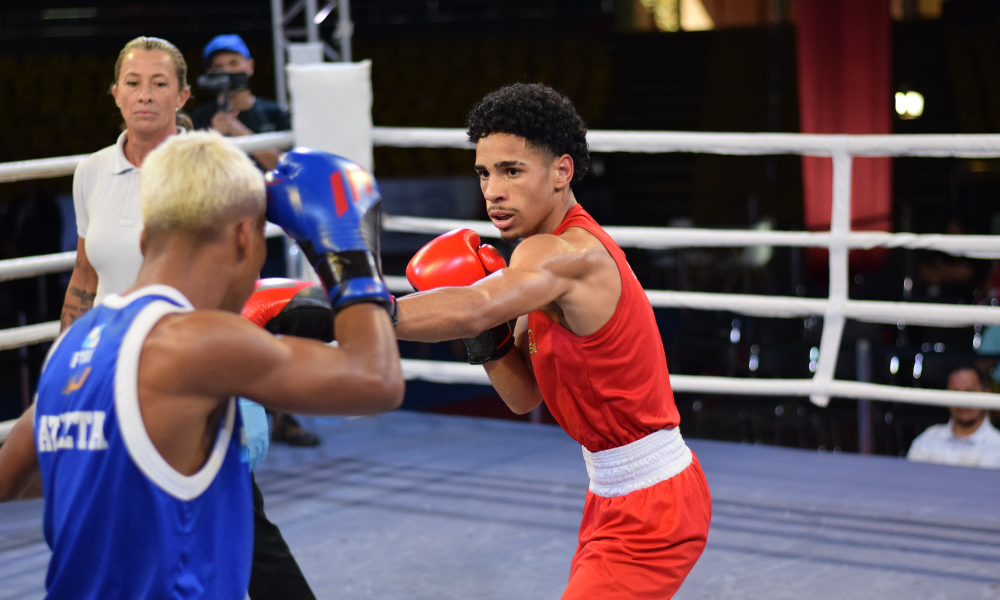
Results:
609 388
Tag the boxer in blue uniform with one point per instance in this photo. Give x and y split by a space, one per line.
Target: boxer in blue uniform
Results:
134 436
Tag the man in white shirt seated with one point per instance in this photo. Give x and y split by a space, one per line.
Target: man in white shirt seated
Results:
968 439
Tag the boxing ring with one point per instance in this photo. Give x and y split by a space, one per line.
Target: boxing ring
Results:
788 523
839 241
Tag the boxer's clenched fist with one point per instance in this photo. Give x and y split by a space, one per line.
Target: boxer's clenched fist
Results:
457 258
331 206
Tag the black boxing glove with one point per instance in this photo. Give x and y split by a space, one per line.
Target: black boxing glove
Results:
492 344
290 307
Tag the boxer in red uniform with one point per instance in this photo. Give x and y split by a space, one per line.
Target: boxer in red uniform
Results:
586 344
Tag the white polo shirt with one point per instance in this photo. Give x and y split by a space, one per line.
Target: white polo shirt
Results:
939 444
106 199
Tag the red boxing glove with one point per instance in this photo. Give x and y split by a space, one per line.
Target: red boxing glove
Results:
291 307
455 258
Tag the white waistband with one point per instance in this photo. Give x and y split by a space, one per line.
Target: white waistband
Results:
639 465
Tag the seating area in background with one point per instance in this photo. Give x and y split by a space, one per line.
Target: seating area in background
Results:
421 82
54 105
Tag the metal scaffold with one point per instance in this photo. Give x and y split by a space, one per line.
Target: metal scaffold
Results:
299 25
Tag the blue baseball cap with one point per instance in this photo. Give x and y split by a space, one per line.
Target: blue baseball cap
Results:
229 42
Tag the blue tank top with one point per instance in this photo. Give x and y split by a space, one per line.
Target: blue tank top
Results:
121 522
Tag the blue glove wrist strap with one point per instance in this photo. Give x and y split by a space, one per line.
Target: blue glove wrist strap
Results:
360 289
352 276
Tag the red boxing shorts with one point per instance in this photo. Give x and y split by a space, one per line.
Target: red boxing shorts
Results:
645 522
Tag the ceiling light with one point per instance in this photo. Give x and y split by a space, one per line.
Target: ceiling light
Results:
909 105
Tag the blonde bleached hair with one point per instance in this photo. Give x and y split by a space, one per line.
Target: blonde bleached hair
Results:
197 183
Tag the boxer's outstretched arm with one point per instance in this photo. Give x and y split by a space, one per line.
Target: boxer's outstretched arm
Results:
542 269
20 477
512 376
214 354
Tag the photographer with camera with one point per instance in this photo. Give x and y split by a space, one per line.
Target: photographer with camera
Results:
235 110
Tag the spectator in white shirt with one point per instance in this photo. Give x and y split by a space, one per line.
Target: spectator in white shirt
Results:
968 439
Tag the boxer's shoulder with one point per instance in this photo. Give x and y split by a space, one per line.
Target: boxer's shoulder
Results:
205 353
573 252
192 337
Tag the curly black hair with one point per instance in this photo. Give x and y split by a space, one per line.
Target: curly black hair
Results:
546 119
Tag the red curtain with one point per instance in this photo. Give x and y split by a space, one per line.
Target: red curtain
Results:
845 86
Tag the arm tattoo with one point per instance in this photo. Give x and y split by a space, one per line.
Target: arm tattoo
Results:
84 296
73 311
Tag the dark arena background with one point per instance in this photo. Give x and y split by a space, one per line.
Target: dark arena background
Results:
819 497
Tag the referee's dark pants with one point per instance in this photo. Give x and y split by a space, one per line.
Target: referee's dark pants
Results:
274 575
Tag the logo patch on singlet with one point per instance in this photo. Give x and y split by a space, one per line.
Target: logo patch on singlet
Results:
77 382
532 349
93 338
86 351
81 359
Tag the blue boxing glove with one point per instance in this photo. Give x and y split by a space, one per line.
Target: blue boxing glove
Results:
331 207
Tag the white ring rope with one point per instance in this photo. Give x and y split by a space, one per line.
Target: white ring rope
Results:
967 146
16 337
654 238
744 144
43 168
437 371
835 309
31 266
661 238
